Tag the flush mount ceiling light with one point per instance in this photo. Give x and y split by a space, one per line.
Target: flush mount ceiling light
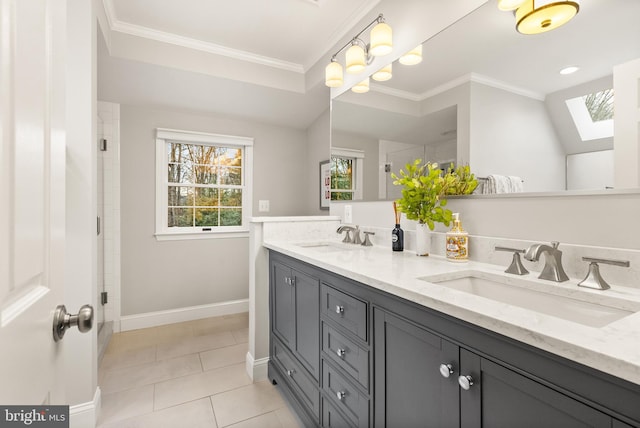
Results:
413 57
360 54
539 16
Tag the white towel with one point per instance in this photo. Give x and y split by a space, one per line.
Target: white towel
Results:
503 184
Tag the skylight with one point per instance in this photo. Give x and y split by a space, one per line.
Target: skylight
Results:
593 114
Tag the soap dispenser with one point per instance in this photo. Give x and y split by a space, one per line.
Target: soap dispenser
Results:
457 242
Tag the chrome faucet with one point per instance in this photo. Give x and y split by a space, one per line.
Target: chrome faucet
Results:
347 238
553 270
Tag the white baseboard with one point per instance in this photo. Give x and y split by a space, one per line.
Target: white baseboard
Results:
153 319
256 369
86 415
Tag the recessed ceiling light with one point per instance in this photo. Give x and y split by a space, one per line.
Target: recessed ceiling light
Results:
569 70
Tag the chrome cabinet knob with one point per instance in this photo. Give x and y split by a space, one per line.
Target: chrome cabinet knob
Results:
446 370
63 320
340 395
290 372
465 382
341 352
339 309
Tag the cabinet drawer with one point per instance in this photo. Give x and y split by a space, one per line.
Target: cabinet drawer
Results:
346 354
331 418
307 391
345 396
345 310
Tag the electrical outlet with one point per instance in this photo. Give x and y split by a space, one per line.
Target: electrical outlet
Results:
263 206
348 214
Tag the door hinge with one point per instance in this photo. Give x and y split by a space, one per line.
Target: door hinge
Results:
103 144
104 298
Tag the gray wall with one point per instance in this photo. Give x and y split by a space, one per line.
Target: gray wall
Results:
318 146
513 135
173 274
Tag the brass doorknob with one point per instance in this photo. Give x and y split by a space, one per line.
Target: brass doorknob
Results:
62 320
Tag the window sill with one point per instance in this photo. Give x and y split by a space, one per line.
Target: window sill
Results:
183 236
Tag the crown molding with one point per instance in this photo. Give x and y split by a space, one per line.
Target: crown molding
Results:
190 43
398 93
488 81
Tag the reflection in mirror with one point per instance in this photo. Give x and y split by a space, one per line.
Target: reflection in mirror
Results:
495 99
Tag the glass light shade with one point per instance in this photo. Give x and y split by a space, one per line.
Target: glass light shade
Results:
413 57
362 87
381 40
385 73
356 59
333 75
509 4
539 16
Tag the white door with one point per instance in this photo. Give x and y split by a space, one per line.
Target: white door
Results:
32 198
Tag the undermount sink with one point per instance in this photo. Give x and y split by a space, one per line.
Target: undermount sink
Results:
537 297
329 247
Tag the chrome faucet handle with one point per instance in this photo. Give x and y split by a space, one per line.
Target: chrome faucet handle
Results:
516 267
594 279
356 236
367 242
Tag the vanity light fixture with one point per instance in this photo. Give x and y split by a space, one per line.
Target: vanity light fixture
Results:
361 87
539 16
507 5
385 73
360 54
413 57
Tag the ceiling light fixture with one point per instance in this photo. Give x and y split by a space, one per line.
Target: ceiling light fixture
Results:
569 70
539 16
360 54
413 57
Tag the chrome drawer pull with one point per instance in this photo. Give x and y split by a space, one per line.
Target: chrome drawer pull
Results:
340 395
446 370
339 309
466 382
290 372
341 352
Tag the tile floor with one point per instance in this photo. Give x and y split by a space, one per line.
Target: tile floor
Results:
190 374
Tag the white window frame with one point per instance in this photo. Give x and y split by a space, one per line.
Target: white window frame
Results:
358 169
163 231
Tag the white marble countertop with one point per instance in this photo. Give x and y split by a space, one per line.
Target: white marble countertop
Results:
613 348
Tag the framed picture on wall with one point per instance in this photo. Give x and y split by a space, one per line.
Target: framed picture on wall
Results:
325 184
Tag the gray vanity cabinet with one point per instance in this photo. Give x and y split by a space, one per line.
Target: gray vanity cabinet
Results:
296 317
409 389
349 355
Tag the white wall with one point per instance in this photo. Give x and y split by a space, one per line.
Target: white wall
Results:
159 276
513 135
590 171
626 84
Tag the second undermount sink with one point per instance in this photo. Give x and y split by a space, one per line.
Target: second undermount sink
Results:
575 305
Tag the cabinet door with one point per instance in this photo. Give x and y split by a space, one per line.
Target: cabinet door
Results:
283 304
307 317
500 397
409 390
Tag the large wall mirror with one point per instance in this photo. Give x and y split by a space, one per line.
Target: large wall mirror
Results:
487 96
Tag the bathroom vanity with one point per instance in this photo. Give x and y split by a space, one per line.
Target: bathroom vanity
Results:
362 337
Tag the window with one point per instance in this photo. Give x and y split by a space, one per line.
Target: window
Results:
593 114
203 184
346 174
